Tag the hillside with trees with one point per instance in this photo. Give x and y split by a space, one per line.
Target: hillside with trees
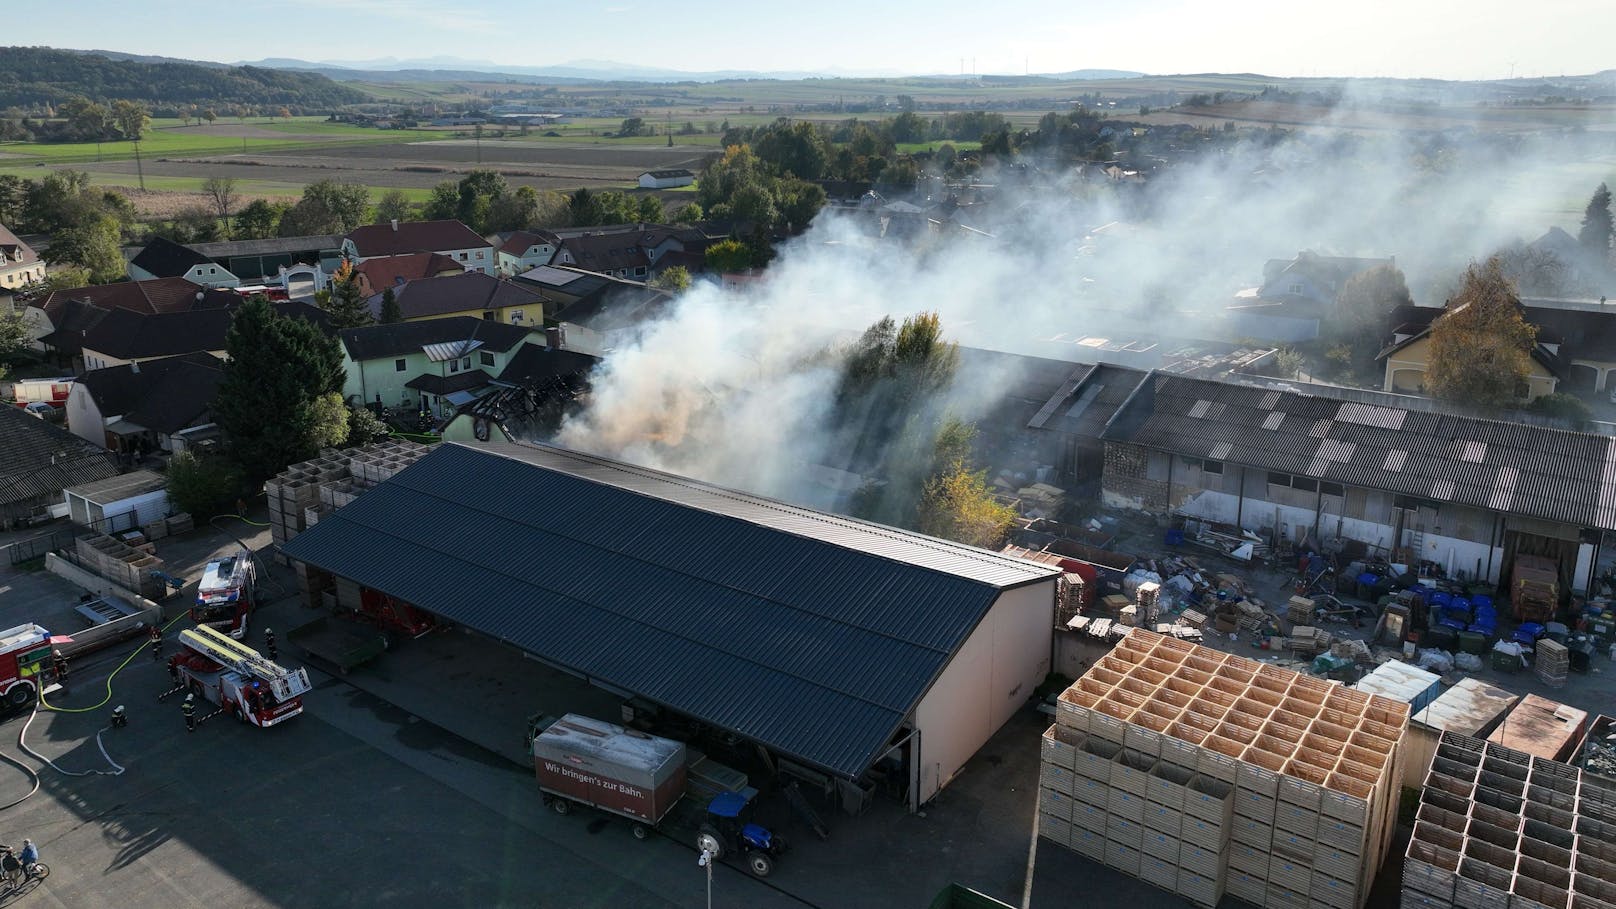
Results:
36 77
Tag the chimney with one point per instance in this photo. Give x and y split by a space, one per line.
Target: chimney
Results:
555 337
395 225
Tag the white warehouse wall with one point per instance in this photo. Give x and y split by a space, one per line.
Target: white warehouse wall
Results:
989 679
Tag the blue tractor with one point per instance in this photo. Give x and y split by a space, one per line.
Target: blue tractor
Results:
729 830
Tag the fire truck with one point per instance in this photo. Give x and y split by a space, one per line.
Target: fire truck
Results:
227 672
25 664
225 595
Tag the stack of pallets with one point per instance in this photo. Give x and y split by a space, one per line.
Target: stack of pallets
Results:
1501 828
1551 663
305 492
1206 773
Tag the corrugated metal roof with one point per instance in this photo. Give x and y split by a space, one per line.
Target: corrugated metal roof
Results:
1569 477
812 634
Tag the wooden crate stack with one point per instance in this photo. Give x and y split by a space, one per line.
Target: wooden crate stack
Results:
1500 828
305 492
1204 772
1551 662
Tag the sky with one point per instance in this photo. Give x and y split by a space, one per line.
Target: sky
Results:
1480 39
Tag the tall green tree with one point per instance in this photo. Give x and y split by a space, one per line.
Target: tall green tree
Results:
203 485
130 118
1362 309
728 256
1481 347
394 205
94 246
675 279
957 502
390 311
275 369
1596 233
347 306
259 219
327 207
13 336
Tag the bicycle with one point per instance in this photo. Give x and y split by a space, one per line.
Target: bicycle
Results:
15 879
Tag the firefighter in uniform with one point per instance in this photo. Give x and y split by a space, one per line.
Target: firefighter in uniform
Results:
189 707
60 663
156 643
269 642
174 673
119 721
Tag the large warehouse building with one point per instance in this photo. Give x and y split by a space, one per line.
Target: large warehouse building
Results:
831 642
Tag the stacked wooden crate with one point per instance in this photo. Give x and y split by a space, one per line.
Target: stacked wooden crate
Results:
305 492
1551 662
1200 771
1499 827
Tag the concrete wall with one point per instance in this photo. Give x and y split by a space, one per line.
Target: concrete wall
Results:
990 678
84 417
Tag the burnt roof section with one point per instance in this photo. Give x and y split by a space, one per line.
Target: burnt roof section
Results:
445 294
535 362
163 258
164 395
434 384
414 236
42 459
400 338
812 634
1514 468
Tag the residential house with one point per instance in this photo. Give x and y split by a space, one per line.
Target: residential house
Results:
617 255
1364 471
526 249
37 461
435 365
631 250
595 309
666 179
163 404
1312 278
19 264
255 261
58 321
1407 358
123 336
377 275
163 258
472 294
399 238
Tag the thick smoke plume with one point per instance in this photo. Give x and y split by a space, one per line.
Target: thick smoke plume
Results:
737 386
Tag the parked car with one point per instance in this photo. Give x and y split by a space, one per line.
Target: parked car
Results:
41 409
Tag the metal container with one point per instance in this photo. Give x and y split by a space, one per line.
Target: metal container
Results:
614 769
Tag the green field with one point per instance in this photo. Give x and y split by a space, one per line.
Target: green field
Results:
247 189
170 139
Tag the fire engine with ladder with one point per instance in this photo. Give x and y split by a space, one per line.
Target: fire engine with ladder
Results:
226 594
241 681
25 665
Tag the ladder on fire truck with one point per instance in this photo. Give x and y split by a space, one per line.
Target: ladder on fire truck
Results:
232 654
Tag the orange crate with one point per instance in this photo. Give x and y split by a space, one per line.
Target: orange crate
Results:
1370 742
1310 689
1347 700
1206 661
1166 666
1195 677
1252 724
1106 676
1149 676
1283 732
1381 730
1231 687
1253 710
1137 686
1173 648
1270 678
1291 720
1094 686
1271 699
1373 760
1157 710
1174 698
1299 707
1329 737
1185 731
1230 672
1383 709
1236 733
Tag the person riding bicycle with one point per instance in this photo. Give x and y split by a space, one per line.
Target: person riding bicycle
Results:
29 857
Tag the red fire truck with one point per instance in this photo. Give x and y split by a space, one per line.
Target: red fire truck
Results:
256 690
225 595
25 664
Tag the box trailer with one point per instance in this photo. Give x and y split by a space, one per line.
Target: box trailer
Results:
580 760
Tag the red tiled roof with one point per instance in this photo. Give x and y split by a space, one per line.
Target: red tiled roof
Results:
159 295
376 275
414 236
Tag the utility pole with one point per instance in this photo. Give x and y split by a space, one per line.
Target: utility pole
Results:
139 171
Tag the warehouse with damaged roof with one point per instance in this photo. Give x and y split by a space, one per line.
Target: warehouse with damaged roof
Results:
833 644
1388 476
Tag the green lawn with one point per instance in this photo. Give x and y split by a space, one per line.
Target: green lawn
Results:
172 141
247 189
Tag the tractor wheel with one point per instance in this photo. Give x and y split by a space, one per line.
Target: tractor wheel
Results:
760 863
708 840
561 807
640 831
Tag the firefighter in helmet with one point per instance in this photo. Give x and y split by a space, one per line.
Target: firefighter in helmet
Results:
189 709
119 721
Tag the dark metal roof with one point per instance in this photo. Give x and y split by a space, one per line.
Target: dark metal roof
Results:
165 395
41 459
163 258
395 339
812 634
1499 466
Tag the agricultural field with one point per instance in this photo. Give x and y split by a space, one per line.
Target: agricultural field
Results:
1390 117
169 138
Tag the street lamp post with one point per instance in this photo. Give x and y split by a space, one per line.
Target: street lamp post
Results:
706 861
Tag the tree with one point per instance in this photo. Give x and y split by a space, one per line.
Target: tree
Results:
13 336
391 314
275 368
1362 308
221 191
130 118
94 245
1595 235
329 423
393 206
516 210
364 428
689 213
327 207
441 204
203 485
259 220
1563 406
958 505
583 208
347 307
210 115
729 256
633 126
1481 347
674 279
651 211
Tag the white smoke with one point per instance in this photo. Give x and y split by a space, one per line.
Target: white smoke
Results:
736 386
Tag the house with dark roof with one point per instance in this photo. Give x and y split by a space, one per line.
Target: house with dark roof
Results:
1364 472
526 249
847 648
1408 355
472 293
529 398
19 264
399 238
163 258
58 320
164 403
37 461
631 250
615 255
121 336
667 179
263 261
1312 278
377 275
433 365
